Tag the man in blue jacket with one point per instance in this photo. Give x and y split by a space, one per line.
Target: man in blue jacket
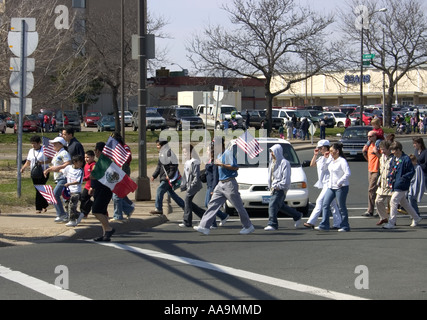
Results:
399 180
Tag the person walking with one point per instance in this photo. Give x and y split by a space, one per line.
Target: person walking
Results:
74 146
212 179
382 200
304 128
399 180
101 198
347 121
191 184
60 161
417 187
322 164
372 155
36 155
323 128
279 182
85 199
289 129
420 153
338 187
166 170
227 189
74 175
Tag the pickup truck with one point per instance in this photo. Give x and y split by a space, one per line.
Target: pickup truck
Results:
214 117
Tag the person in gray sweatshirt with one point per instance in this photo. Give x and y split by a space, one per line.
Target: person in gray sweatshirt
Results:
279 182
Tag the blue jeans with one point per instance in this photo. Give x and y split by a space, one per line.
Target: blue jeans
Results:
60 212
341 196
161 190
277 203
414 203
122 205
219 214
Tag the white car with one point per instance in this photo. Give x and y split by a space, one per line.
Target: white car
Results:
253 176
128 118
339 117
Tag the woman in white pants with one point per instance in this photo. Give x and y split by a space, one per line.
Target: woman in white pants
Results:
322 164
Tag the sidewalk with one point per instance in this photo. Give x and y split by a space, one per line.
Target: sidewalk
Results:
27 227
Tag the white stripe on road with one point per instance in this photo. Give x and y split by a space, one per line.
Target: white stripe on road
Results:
40 286
238 273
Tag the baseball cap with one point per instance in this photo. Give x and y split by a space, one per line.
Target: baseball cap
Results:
59 140
323 143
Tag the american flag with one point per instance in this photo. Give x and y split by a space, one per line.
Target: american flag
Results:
115 151
48 149
249 145
47 193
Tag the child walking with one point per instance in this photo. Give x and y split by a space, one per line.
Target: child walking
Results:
85 199
416 190
74 175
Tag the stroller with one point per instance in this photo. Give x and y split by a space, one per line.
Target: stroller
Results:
402 128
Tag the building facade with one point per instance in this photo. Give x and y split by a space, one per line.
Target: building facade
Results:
338 88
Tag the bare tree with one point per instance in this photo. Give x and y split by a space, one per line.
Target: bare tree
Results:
273 40
60 72
398 37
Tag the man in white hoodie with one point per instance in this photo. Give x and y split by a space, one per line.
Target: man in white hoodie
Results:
279 182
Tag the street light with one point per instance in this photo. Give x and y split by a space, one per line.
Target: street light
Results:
361 66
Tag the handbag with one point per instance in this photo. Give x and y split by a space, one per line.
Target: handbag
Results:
37 171
176 182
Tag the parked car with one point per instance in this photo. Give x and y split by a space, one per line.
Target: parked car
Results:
367 118
180 118
106 123
252 178
339 117
30 124
258 118
153 120
315 116
2 126
354 139
128 118
91 118
73 120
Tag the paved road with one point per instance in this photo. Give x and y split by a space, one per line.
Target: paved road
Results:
171 263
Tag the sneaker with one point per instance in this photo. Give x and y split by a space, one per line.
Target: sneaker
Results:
224 221
72 223
270 228
129 215
415 222
61 219
343 230
80 218
298 223
309 225
247 230
389 225
368 214
320 229
183 225
156 212
200 229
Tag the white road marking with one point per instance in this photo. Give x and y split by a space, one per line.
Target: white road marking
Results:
38 285
238 273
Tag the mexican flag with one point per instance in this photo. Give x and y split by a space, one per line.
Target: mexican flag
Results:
112 176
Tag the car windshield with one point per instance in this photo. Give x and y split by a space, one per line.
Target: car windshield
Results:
340 115
228 110
94 114
316 113
185 112
263 159
152 114
31 117
108 119
275 113
302 113
357 133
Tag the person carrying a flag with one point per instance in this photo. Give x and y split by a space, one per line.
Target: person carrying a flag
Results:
36 154
227 189
60 161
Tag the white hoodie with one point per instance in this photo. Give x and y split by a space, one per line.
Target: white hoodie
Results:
281 179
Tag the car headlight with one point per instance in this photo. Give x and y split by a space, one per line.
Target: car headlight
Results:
299 185
243 186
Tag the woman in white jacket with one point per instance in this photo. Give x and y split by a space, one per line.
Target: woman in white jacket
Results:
192 184
338 188
279 182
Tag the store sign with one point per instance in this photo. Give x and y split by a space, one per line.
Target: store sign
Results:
356 79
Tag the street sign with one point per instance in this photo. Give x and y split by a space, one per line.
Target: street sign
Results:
15 65
14 41
368 56
366 63
15 83
218 94
15 105
16 24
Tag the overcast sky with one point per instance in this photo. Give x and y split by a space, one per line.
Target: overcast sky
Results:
187 17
